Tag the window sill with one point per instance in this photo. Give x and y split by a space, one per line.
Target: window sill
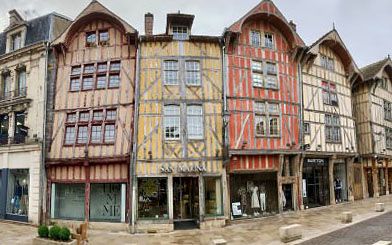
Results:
171 84
193 85
267 88
268 136
334 142
196 140
172 140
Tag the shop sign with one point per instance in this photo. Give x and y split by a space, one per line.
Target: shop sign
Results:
182 168
316 161
236 207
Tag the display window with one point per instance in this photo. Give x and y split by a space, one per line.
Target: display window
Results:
254 195
213 196
152 198
107 202
18 192
67 201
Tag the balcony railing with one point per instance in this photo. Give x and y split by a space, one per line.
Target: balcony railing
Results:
17 139
9 95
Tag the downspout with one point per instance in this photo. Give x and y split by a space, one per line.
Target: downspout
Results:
134 147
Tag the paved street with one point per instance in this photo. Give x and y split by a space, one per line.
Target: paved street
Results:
316 222
367 232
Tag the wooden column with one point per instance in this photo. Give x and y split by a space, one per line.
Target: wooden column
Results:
386 177
350 179
364 181
201 199
300 189
226 194
331 181
376 190
279 183
87 193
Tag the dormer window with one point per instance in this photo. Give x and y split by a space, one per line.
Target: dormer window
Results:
180 32
91 38
103 37
268 40
16 41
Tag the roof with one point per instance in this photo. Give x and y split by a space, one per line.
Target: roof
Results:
95 10
37 30
169 38
266 9
375 69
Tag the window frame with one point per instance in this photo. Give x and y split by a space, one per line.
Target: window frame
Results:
103 42
267 115
172 116
193 72
200 117
306 126
388 138
333 133
180 36
91 43
171 68
253 41
271 43
328 93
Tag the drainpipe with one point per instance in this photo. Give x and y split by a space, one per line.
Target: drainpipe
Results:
134 147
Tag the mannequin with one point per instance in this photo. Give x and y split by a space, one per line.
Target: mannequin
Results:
17 196
283 198
242 194
263 199
338 190
255 201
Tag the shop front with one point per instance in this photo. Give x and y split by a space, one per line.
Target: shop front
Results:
96 193
187 196
315 182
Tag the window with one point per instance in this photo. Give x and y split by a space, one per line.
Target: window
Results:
387 110
192 73
384 83
257 73
75 84
75 70
89 69
4 126
114 81
71 117
91 38
67 201
172 122
267 119
330 96
195 122
82 134
332 128
271 68
16 41
213 196
152 198
388 137
271 82
96 134
268 40
97 115
88 83
6 88
115 66
306 128
101 81
107 202
180 32
109 132
17 192
103 37
170 72
327 63
69 135
21 82
84 116
102 67
255 37
111 115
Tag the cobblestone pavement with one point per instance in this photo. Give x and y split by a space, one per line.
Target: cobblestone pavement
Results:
367 232
316 222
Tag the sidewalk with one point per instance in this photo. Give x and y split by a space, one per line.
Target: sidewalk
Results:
264 231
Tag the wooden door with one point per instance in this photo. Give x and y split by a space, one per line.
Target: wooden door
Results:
358 189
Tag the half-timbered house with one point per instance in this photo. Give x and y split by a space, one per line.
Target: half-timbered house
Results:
179 171
24 59
373 113
262 109
328 72
90 119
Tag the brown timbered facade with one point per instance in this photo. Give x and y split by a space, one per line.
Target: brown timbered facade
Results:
90 119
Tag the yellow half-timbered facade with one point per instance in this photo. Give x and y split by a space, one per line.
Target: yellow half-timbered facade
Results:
180 177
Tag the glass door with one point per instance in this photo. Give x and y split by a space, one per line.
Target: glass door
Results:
186 198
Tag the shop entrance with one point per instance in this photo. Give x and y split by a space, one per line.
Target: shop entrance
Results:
186 202
369 178
340 182
315 183
381 181
288 194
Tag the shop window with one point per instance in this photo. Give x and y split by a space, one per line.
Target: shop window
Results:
180 32
107 202
332 129
255 37
192 73
171 122
269 40
152 198
170 72
103 37
213 196
67 201
195 122
18 192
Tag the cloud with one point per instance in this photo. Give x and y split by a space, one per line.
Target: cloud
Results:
364 25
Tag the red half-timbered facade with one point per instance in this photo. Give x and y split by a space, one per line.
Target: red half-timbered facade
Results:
90 119
263 112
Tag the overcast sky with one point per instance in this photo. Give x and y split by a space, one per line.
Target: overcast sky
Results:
364 25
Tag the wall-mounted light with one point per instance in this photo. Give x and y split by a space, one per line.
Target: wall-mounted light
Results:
226 117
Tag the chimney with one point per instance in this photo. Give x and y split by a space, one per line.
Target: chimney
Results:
15 17
148 24
293 25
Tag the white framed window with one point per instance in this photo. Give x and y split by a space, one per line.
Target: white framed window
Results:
257 73
269 40
170 72
171 122
195 122
332 128
267 119
16 41
192 75
180 32
255 38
